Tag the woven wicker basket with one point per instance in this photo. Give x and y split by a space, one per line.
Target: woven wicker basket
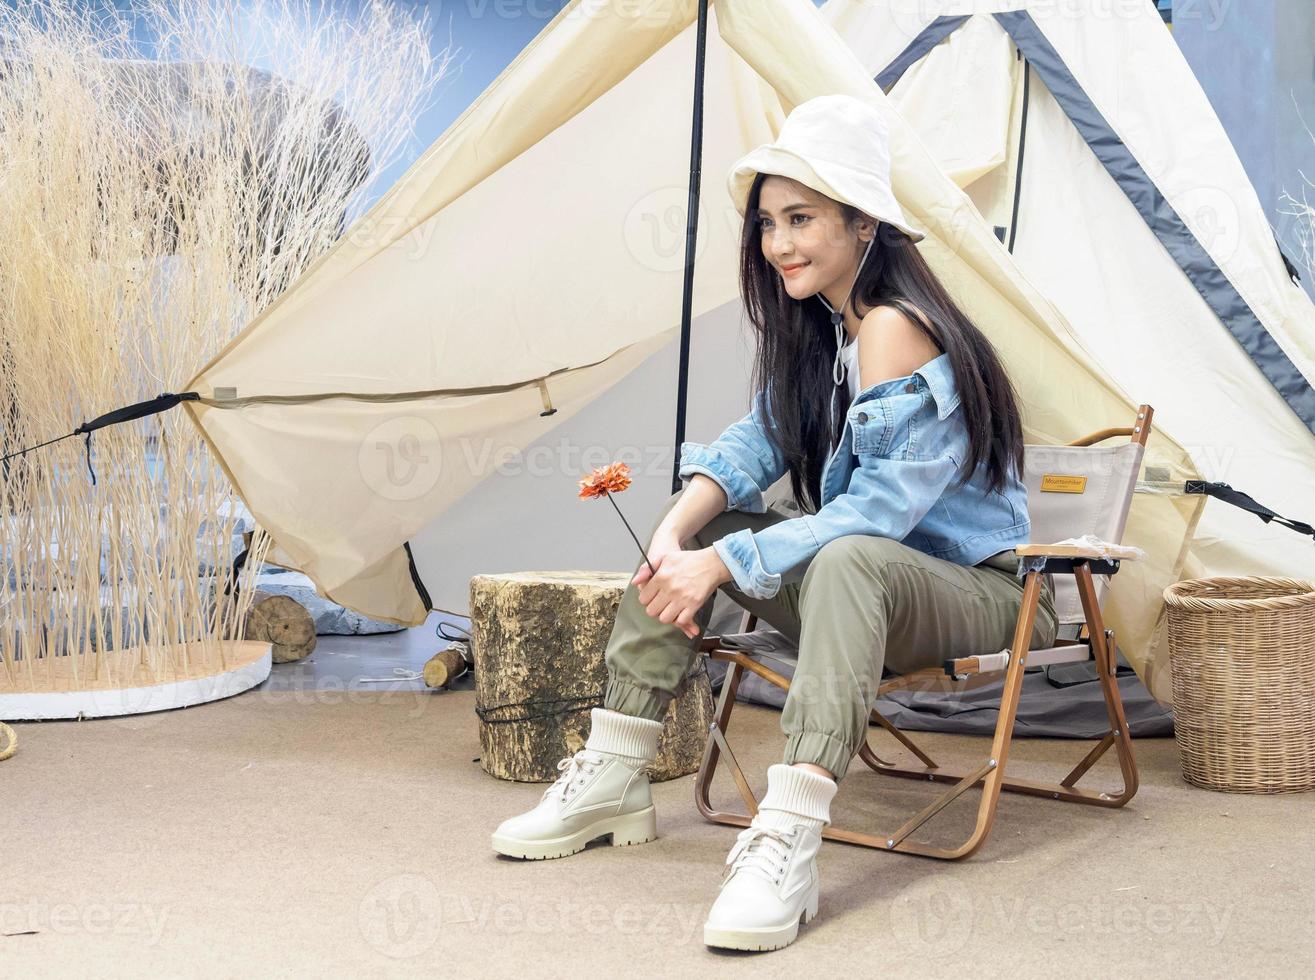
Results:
1242 655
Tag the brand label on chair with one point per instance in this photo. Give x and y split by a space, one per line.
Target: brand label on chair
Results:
1059 483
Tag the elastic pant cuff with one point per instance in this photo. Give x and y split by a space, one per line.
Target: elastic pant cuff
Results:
820 749
630 699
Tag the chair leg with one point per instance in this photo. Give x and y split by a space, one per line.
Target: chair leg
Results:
990 776
1004 727
717 745
1118 736
874 761
713 749
1102 644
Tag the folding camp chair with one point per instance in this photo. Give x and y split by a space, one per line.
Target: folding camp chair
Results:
1073 490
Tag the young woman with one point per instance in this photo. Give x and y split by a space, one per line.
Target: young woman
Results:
899 430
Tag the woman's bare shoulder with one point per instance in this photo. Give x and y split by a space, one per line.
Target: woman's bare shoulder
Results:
891 346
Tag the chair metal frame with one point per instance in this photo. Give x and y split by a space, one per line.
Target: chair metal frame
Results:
1095 641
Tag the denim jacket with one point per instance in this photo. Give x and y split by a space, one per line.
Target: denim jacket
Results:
901 447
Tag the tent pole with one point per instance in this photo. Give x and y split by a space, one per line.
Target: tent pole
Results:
1022 145
691 232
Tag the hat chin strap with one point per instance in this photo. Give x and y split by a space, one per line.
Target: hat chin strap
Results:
839 370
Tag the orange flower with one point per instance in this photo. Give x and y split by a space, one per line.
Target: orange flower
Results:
606 482
612 478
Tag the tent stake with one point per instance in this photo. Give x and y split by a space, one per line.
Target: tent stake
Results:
547 400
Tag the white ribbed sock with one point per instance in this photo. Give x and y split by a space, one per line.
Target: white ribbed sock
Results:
795 795
621 734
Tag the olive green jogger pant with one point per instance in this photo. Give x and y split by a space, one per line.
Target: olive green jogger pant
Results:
864 602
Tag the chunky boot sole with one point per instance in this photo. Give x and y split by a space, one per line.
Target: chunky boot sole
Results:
639 827
763 937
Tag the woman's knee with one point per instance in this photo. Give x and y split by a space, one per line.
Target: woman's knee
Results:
865 554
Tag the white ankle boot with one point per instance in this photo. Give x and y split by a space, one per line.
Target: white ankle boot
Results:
603 791
773 881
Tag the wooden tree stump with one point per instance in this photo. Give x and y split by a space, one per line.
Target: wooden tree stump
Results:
539 641
282 622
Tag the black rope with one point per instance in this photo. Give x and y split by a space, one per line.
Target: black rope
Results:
490 714
464 637
585 702
88 447
41 445
231 587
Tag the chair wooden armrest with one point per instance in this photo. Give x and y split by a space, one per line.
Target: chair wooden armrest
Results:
1075 551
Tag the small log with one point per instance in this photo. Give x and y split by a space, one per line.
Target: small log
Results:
283 622
8 741
443 668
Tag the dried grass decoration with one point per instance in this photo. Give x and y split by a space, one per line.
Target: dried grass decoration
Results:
156 196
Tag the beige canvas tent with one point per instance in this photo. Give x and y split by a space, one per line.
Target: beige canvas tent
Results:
518 270
1082 135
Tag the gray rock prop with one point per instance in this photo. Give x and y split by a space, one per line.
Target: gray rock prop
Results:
330 618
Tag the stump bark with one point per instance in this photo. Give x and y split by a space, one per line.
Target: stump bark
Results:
539 640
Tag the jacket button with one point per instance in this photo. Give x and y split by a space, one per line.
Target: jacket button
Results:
911 387
862 418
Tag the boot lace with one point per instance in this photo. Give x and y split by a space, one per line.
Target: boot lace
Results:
762 851
573 769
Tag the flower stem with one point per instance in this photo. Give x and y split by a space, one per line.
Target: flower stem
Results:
632 533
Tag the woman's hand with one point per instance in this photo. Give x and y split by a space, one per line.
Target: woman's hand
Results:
663 543
682 584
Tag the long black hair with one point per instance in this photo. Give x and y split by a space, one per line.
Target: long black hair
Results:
797 347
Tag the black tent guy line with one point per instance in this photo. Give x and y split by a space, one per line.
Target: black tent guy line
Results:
128 413
162 403
1222 491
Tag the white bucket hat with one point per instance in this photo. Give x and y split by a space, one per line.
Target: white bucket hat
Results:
839 146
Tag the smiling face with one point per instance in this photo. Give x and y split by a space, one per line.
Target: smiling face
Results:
805 238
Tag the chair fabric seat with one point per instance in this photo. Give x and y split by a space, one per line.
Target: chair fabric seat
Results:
1049 707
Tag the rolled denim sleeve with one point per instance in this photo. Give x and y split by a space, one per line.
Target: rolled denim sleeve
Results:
889 493
744 461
